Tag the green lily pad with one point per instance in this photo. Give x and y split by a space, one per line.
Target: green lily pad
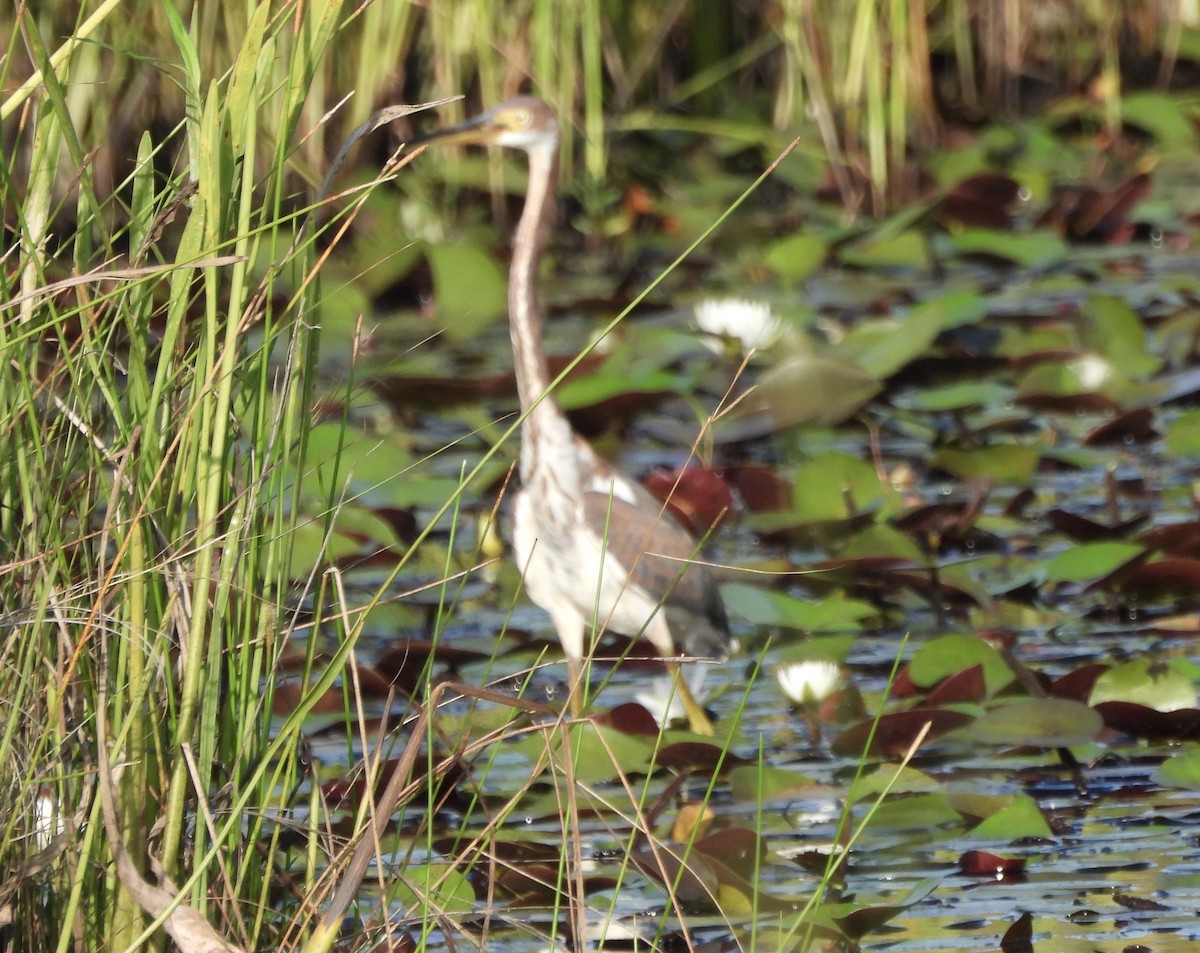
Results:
1035 722
1027 249
956 396
1180 771
1021 818
907 249
766 607
469 288
1008 464
1145 682
1090 561
950 654
438 887
1183 435
796 257
802 389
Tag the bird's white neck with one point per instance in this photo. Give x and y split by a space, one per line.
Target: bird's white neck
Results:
546 438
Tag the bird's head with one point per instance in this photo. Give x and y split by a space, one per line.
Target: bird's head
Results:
523 122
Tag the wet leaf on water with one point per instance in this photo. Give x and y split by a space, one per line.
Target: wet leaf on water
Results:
1052 385
767 607
1091 561
761 488
692 821
599 753
1083 530
1162 579
1018 938
908 249
893 778
801 389
1141 721
1077 685
1161 116
738 848
703 755
968 685
837 486
631 718
1027 249
753 783
883 347
984 200
438 887
982 863
1180 771
1022 818
694 881
895 732
1035 722
1174 539
310 544
1003 464
464 308
1112 329
1153 684
865 920
961 396
1183 434
1130 902
1134 426
609 382
953 654
796 257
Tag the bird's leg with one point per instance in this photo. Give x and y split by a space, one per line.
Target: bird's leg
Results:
576 689
697 717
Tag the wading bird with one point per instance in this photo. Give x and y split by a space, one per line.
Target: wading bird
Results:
596 549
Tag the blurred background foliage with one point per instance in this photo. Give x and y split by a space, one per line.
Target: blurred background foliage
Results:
872 84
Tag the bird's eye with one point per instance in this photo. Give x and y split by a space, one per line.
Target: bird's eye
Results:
522 117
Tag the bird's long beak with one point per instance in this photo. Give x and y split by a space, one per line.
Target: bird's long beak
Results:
475 131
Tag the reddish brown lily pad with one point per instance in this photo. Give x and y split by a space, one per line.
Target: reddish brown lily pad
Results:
981 863
895 733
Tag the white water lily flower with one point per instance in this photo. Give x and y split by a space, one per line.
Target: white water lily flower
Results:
810 681
751 323
662 698
47 821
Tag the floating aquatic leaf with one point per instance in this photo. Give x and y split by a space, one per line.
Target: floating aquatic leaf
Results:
1153 684
956 396
1183 435
1113 330
1090 561
893 778
756 783
981 863
1161 116
1028 249
1141 721
767 607
894 733
1022 818
796 257
1035 722
1006 464
464 307
907 249
802 389
438 887
949 655
1181 770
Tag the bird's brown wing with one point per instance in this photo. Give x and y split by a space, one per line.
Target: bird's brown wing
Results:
657 554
